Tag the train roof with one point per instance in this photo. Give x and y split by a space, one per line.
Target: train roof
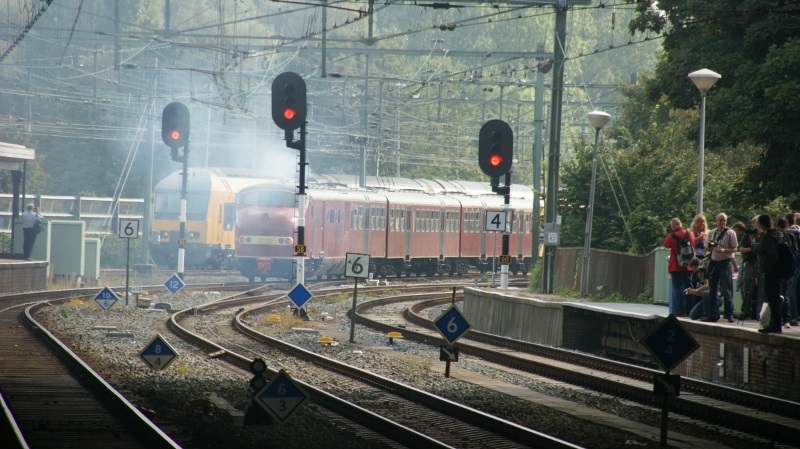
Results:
213 178
419 192
435 186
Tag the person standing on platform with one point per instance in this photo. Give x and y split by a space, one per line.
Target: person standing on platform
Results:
794 230
699 230
679 275
722 244
31 220
767 252
748 272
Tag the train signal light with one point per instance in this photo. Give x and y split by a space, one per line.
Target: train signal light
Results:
175 125
495 148
289 101
258 367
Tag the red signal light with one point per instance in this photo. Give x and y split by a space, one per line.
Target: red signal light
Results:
175 134
495 160
289 113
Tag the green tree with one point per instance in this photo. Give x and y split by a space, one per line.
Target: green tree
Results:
754 45
647 174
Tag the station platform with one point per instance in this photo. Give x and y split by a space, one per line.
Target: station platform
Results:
18 275
731 353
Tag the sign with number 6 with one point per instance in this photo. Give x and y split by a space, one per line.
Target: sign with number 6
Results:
356 265
128 229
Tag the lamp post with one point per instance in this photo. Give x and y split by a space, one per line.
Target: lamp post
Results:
704 79
598 120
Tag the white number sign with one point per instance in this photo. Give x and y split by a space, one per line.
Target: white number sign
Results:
129 229
356 265
495 221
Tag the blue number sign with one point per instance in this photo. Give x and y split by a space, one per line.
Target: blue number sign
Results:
452 324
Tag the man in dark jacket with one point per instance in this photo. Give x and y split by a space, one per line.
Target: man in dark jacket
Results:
767 252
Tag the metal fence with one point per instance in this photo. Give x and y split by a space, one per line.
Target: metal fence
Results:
612 271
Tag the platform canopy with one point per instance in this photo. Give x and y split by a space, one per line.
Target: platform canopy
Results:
12 156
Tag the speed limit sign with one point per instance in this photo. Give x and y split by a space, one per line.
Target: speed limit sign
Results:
356 265
129 229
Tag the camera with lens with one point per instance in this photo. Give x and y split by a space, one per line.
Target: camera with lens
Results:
712 244
668 229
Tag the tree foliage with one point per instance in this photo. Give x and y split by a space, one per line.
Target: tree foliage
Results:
755 46
647 174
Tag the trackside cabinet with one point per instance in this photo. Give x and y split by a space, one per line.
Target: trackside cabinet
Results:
91 261
66 249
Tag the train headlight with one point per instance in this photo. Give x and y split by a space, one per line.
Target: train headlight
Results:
163 236
289 240
194 235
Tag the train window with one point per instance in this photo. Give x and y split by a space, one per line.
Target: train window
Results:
331 216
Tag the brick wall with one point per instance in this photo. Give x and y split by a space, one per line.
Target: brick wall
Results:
767 364
19 276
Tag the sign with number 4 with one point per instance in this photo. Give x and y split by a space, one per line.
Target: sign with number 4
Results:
356 265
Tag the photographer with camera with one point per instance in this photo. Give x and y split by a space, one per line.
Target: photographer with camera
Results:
748 273
679 274
722 244
697 293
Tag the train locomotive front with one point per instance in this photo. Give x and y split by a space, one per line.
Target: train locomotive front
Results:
209 217
265 226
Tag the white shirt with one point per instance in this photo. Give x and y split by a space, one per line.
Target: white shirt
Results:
29 218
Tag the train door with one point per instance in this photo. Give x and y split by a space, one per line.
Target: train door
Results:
406 219
440 226
482 230
520 231
367 227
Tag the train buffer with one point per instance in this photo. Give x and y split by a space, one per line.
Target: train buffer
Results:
392 335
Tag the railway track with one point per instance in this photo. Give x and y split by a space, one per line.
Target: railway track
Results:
415 418
52 399
757 414
617 379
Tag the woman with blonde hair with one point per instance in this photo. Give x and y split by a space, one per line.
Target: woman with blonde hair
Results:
699 231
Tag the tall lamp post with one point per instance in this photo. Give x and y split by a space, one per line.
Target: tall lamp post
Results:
598 120
704 79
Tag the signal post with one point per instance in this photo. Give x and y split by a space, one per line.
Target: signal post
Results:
495 157
175 133
289 107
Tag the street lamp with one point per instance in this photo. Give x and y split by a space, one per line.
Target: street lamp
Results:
704 79
598 120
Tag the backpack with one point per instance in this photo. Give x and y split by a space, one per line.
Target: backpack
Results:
685 250
786 266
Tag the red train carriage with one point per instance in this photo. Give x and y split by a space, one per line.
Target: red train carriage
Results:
436 229
265 227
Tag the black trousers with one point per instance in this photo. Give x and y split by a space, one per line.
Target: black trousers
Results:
29 236
772 287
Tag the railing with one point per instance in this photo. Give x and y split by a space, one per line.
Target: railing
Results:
97 213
